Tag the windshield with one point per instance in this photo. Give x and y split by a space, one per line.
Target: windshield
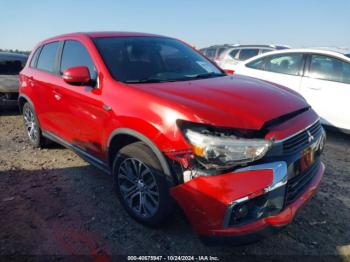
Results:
348 55
153 59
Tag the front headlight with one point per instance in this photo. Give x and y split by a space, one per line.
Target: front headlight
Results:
222 151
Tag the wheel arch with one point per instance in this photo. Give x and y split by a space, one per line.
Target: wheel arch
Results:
124 136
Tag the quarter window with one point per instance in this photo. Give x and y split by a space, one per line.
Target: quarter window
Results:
35 57
289 64
47 57
329 68
75 54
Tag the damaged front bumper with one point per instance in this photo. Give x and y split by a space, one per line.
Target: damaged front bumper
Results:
248 203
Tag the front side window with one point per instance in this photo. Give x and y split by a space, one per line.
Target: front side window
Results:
211 53
47 57
256 64
233 53
153 59
263 51
329 68
247 53
75 54
289 64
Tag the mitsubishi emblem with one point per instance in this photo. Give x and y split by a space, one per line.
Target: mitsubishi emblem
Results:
311 137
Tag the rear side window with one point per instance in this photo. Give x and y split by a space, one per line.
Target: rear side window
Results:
329 68
75 54
247 53
47 57
289 64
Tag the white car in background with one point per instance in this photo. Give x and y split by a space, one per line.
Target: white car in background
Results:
322 77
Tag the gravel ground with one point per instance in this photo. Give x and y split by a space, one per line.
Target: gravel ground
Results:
54 203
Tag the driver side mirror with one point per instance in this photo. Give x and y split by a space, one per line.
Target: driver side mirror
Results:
79 75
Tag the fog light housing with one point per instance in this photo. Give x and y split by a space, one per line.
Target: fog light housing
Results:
250 210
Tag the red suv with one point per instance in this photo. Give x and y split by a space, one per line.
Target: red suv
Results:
240 156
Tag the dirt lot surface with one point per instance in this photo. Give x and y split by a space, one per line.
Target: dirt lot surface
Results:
54 203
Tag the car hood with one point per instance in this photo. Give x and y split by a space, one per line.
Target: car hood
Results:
231 101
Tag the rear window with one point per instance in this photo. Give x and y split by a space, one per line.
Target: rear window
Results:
11 64
47 57
247 53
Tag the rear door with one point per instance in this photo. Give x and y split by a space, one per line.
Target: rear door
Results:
326 86
283 69
42 80
83 107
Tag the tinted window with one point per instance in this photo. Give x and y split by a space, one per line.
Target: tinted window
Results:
348 55
35 57
233 53
256 64
220 51
289 64
75 54
153 59
210 53
47 57
265 50
11 64
247 53
329 68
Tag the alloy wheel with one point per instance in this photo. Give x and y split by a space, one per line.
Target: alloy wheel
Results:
30 123
138 187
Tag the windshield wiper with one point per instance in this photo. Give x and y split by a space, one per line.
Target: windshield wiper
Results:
148 80
206 75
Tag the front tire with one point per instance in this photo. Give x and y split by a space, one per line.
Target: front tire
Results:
141 185
32 126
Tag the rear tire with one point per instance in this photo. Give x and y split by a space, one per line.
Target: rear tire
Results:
32 126
141 185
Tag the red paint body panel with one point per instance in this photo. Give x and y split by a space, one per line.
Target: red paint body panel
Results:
210 196
206 211
78 115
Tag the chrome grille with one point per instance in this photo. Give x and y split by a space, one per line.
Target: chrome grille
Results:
301 140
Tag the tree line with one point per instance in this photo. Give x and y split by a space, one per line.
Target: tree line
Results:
15 51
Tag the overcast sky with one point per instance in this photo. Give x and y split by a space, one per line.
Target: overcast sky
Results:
199 22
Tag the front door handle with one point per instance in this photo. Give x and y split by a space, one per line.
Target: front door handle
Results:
314 87
57 95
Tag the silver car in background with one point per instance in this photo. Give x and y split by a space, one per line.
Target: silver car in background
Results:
236 54
10 66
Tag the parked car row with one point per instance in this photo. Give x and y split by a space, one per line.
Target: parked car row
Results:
239 155
230 55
